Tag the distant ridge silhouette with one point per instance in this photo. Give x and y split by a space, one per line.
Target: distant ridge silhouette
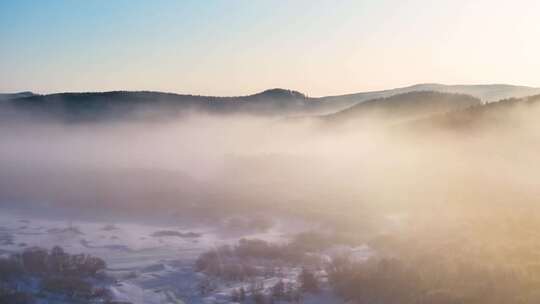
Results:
276 102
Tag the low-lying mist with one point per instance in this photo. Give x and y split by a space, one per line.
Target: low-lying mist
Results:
205 166
452 196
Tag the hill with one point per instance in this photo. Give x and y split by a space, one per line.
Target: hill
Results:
512 112
402 107
99 106
8 96
487 93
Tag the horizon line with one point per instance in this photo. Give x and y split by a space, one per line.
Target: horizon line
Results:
274 88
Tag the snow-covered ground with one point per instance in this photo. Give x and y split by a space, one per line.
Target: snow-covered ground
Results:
151 264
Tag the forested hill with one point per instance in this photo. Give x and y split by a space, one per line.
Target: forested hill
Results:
102 106
509 114
145 104
486 92
407 106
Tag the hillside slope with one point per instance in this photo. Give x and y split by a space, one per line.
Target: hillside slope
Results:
487 93
123 104
403 107
513 113
98 106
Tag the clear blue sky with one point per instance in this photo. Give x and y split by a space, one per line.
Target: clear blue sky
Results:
240 47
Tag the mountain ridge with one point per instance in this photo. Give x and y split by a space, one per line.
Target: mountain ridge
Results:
404 106
486 92
504 89
95 106
8 96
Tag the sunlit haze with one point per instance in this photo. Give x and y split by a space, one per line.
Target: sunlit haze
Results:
269 152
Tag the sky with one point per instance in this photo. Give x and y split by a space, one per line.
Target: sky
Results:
229 47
